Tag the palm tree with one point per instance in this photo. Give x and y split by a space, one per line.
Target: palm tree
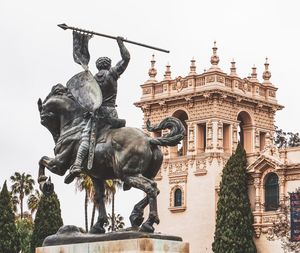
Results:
33 201
15 202
111 187
85 183
22 186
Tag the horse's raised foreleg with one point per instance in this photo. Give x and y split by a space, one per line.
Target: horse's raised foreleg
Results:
98 228
57 165
150 188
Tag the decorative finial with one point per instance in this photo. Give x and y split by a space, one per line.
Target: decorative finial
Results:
266 74
193 67
214 59
254 74
152 71
233 68
167 75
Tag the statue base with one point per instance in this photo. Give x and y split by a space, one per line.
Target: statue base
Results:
70 239
140 245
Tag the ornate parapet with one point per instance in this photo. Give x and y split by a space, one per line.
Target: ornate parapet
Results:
212 80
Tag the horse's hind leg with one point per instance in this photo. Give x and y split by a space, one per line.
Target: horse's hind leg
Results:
149 187
136 217
99 201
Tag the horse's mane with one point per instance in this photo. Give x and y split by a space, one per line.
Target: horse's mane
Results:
58 89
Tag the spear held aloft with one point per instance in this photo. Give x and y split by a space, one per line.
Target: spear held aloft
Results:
64 26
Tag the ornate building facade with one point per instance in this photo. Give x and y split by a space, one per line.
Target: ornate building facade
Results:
218 110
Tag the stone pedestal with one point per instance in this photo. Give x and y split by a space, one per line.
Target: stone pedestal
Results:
138 245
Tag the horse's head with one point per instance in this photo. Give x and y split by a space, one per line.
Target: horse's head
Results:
58 108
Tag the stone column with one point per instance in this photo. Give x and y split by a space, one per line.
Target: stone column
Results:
191 138
281 189
257 210
209 137
234 137
257 140
220 135
257 187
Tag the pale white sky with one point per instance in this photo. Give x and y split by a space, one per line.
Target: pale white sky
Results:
36 54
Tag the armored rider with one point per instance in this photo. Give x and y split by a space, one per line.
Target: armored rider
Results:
106 78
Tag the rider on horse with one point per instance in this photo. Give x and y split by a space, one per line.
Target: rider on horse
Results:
106 78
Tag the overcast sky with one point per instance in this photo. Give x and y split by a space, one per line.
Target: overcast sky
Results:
36 54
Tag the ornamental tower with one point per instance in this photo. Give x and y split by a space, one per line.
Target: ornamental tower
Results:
218 110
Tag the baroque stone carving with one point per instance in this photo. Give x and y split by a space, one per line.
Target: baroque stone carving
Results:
200 168
178 168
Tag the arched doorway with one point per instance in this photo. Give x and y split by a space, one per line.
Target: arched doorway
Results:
182 147
245 131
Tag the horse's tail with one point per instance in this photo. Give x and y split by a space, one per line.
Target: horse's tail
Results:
176 134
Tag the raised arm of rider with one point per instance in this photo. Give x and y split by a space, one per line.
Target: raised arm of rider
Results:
122 65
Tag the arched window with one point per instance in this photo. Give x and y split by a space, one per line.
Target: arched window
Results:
177 197
245 131
182 146
271 192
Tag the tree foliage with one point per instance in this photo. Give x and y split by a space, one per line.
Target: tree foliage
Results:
24 229
286 139
115 225
9 241
33 201
22 186
110 188
234 231
47 220
85 183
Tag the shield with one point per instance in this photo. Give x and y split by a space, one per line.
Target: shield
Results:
86 90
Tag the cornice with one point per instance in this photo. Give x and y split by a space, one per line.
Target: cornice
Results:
210 94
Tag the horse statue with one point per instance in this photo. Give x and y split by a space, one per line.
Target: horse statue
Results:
126 153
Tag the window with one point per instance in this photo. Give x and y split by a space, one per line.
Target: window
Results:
177 197
245 135
262 140
226 138
271 192
201 137
181 149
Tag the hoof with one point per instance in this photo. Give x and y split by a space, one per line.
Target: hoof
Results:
97 230
42 178
74 172
136 220
147 228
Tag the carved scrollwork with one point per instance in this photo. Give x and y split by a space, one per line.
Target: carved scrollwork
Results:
178 168
200 168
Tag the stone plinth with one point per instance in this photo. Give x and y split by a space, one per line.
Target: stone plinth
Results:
138 245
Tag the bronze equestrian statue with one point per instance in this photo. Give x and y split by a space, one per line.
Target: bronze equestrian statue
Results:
125 153
89 138
106 78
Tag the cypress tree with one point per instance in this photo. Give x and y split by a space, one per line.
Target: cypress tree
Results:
47 220
9 242
234 231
